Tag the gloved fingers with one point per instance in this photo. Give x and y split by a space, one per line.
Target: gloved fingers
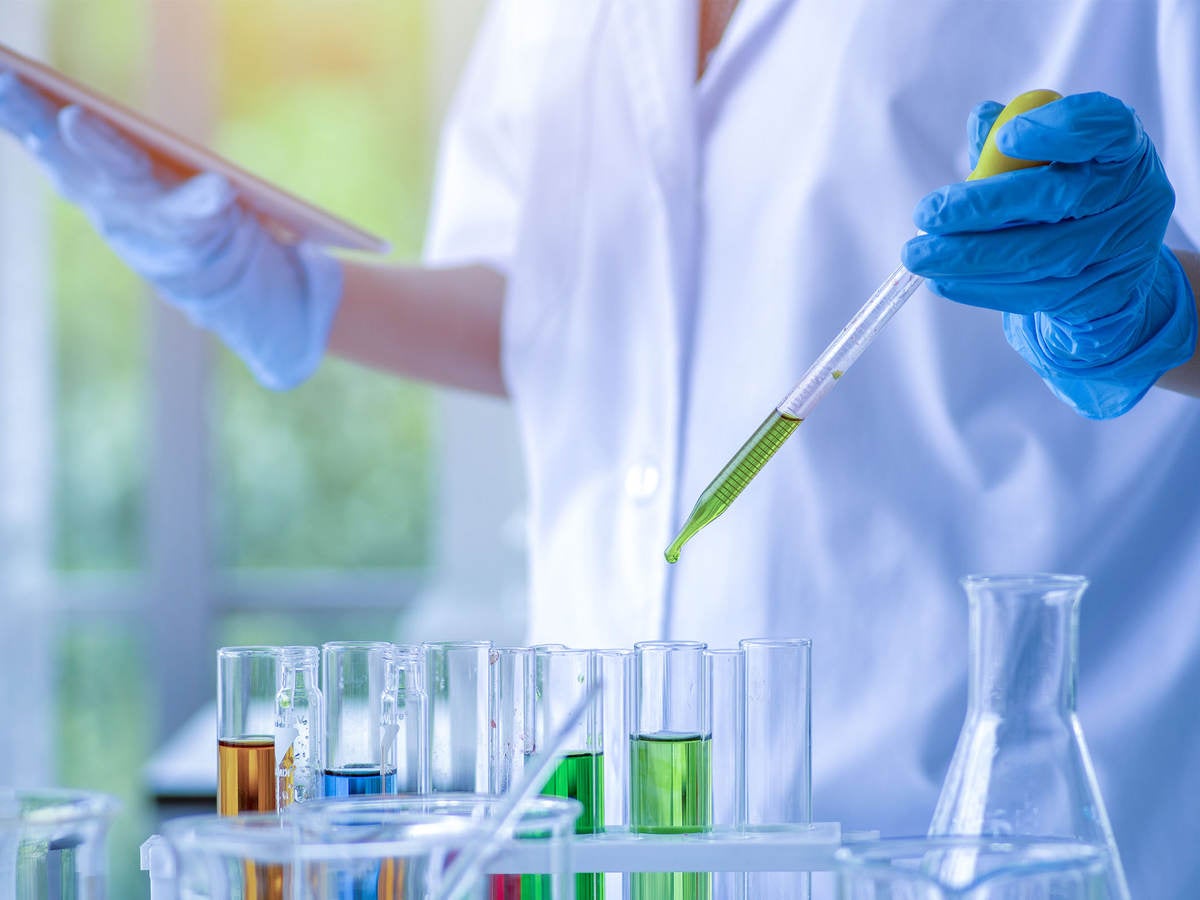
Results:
1071 297
1046 194
1075 129
1031 252
181 228
979 123
112 156
25 113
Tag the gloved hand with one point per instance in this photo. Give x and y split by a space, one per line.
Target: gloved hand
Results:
272 303
1072 252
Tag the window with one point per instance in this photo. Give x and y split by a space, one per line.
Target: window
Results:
155 503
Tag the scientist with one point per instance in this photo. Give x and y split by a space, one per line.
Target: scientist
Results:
651 215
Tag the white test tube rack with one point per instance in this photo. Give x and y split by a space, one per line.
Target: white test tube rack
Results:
802 848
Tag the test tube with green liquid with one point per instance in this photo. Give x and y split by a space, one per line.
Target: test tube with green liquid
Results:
670 767
564 678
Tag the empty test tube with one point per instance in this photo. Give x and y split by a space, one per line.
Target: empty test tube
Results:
726 685
456 686
778 741
406 720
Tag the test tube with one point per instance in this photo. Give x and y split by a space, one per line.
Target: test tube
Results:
563 679
671 759
614 670
510 739
406 720
456 679
248 679
354 677
726 680
299 727
778 741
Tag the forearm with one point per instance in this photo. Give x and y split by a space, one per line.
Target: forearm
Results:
439 325
1185 379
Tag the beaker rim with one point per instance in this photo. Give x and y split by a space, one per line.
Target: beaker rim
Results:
455 645
538 814
670 645
1032 856
282 838
1024 580
64 806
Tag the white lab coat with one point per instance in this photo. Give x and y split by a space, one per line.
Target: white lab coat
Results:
679 253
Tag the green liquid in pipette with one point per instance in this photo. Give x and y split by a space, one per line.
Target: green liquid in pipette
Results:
670 780
732 480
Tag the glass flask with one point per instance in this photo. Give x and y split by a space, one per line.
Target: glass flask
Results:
53 844
964 868
1021 766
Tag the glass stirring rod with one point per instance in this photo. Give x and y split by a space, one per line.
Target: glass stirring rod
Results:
838 356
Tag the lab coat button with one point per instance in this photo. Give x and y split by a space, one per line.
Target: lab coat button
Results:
641 481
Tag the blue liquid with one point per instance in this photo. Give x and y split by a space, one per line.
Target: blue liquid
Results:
358 781
354 781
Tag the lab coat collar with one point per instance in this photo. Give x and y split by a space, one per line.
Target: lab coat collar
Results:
658 45
750 19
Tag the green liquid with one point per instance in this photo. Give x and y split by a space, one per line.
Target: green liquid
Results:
579 776
671 793
732 479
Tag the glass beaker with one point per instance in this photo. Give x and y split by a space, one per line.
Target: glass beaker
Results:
549 820
1021 766
354 680
670 767
246 857
248 680
964 868
53 844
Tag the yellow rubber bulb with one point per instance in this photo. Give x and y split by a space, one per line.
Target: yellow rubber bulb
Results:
991 160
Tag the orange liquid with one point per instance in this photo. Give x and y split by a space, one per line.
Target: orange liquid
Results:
246 775
246 783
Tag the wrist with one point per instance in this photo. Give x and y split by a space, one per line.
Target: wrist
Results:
1102 367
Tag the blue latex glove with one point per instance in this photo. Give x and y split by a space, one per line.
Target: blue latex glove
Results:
272 303
1072 252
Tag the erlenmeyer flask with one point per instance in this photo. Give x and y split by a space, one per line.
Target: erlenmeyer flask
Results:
1021 766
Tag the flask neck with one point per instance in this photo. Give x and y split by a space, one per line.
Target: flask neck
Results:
1023 651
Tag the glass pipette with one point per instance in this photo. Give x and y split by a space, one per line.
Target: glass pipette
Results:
823 374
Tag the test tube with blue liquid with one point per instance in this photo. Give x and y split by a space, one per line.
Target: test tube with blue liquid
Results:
355 682
671 759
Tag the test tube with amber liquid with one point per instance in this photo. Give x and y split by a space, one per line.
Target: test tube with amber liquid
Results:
248 680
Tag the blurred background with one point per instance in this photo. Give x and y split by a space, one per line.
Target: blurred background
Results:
155 503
